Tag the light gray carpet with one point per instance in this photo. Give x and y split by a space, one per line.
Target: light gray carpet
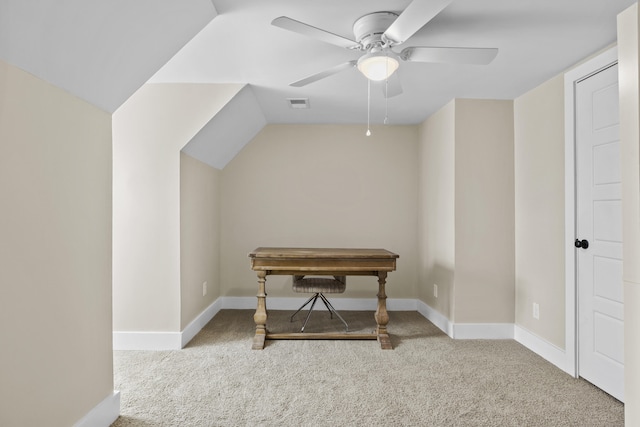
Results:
428 379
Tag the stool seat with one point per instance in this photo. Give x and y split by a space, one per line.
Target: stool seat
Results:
337 285
319 286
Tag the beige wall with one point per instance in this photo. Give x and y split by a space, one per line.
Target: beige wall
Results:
484 224
466 211
321 186
629 84
55 253
436 210
539 210
148 132
199 237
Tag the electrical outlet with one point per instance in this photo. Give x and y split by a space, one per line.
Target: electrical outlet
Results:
204 288
435 290
536 310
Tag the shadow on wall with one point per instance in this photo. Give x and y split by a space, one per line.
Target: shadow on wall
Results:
437 289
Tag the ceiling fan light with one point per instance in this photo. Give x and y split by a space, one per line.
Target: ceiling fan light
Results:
378 66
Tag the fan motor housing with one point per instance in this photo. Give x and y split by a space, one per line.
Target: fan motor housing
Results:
368 29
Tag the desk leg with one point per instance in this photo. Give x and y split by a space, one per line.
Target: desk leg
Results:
382 317
260 317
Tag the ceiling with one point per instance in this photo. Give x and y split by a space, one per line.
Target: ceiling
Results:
537 39
104 51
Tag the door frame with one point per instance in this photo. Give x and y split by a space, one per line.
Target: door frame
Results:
585 70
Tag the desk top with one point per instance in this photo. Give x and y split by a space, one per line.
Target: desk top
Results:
326 260
321 253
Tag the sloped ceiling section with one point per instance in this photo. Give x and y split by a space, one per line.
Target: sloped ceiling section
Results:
100 51
229 131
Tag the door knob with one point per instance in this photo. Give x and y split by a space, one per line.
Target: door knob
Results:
584 244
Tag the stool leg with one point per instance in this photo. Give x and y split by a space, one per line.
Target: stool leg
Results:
330 307
315 298
301 307
325 301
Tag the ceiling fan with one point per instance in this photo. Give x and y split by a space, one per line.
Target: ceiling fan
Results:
377 33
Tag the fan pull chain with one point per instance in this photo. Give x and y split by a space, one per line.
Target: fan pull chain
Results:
386 92
386 101
368 106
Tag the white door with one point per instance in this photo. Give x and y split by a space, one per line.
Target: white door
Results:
599 222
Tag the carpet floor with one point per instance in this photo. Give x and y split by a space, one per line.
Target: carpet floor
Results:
428 379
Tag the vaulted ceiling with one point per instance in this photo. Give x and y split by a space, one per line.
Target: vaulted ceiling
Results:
103 51
100 51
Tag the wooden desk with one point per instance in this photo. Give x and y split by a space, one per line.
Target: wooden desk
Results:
330 262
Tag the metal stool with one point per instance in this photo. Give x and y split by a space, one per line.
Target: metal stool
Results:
319 286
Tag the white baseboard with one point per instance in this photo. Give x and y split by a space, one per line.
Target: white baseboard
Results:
435 317
142 340
462 331
402 304
542 348
199 322
103 414
482 331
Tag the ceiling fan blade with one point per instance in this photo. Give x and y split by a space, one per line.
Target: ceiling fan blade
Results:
414 17
392 87
450 55
325 73
313 32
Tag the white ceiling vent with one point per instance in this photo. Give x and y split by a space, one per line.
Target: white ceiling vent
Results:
298 103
